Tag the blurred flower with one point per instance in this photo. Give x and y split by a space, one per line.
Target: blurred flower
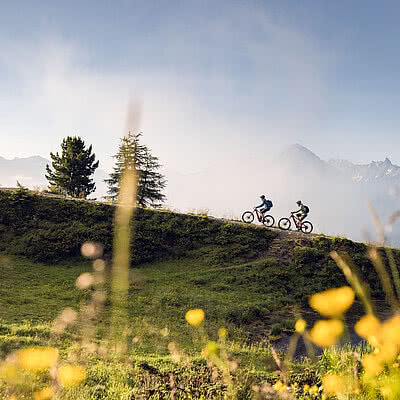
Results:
211 349
92 250
45 394
222 332
195 317
70 375
37 358
332 302
84 280
388 353
333 384
387 392
326 333
279 387
367 326
372 365
99 265
313 389
300 325
390 331
8 372
164 332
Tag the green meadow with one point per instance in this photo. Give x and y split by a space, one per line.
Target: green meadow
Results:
251 282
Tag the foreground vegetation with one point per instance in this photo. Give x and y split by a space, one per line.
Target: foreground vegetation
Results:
245 286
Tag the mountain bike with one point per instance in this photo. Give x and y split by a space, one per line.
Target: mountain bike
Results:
304 226
248 217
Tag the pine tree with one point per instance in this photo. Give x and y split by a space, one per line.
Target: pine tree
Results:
134 155
72 170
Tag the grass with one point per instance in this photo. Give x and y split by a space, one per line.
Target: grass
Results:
232 296
37 292
245 279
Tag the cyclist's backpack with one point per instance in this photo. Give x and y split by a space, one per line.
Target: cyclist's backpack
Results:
306 209
269 204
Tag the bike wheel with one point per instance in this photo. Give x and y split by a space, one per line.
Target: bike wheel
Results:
268 220
248 217
306 227
284 223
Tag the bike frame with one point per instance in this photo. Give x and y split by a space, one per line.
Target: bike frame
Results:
296 221
259 215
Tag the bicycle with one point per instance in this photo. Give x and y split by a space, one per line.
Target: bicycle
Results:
304 226
248 218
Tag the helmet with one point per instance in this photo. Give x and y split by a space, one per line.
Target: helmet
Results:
262 196
298 202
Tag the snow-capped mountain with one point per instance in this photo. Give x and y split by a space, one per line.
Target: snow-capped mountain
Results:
299 157
376 170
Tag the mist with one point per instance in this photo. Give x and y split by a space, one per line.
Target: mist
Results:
338 205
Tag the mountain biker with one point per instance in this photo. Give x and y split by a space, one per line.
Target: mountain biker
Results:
265 205
302 212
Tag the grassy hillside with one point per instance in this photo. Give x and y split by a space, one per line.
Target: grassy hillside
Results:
53 229
250 280
249 277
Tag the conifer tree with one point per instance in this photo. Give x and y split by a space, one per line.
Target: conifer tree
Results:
134 155
72 169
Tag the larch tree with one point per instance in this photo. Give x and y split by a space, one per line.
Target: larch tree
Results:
134 155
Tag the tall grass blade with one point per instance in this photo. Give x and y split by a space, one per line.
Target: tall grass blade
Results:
121 257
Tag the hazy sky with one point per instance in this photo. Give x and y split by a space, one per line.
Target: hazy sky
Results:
217 82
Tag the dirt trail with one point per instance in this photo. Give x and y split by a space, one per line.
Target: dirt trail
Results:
283 245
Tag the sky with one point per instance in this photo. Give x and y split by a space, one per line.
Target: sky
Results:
211 84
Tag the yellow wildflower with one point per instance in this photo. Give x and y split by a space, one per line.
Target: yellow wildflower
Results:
372 365
367 326
390 331
300 325
388 353
326 333
387 392
45 394
306 388
70 375
211 349
8 372
37 358
334 384
222 332
332 302
313 389
279 387
195 317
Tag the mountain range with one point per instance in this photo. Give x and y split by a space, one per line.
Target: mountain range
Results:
374 172
30 172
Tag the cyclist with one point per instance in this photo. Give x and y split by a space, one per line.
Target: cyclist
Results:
302 212
265 205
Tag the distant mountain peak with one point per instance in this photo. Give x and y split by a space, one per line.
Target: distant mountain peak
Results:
299 150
